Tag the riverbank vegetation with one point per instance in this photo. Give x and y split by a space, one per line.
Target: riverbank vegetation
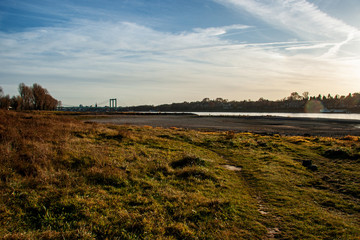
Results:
293 103
31 98
61 178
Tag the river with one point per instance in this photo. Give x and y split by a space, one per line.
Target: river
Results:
346 116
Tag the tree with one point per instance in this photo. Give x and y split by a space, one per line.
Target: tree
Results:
35 97
4 100
262 100
16 103
39 97
294 96
26 96
306 95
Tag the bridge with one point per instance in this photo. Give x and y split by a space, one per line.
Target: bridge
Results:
97 107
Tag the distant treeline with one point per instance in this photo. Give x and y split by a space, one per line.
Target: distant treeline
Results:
30 98
293 103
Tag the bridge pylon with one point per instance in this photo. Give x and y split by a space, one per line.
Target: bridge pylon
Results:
113 103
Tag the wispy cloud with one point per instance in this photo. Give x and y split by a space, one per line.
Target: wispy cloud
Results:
299 16
302 18
118 53
216 31
141 65
333 51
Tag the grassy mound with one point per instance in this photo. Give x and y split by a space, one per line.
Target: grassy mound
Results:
64 179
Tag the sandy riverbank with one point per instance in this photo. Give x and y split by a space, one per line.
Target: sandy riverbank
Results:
262 125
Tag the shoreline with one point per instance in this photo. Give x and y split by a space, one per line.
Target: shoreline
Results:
265 125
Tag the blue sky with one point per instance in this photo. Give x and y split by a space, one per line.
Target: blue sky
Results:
163 51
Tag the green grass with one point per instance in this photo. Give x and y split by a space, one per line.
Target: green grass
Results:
64 179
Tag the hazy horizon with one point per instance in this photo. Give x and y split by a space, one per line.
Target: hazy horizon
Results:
155 52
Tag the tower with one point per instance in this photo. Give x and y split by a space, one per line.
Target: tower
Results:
113 103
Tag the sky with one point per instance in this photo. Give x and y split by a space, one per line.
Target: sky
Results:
163 51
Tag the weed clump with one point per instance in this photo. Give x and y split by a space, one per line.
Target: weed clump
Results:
337 154
105 177
79 162
188 161
350 138
309 165
118 137
179 231
191 172
160 171
25 166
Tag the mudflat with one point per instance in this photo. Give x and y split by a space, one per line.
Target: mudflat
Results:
261 125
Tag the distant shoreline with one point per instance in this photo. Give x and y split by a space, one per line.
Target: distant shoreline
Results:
301 115
267 125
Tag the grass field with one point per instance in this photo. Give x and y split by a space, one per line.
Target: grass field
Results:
61 178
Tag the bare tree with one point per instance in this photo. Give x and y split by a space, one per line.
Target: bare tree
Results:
305 95
50 102
16 102
40 98
4 100
35 97
26 96
294 96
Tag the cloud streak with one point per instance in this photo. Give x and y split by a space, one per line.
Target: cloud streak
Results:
302 18
141 65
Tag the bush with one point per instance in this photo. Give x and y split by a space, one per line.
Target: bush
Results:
188 161
337 153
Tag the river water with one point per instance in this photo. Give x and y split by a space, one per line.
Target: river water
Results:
346 116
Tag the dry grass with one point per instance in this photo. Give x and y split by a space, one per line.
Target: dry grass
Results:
64 179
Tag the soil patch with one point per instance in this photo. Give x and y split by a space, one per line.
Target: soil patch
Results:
232 168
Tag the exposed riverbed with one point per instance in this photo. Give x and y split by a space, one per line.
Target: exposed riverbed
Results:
256 124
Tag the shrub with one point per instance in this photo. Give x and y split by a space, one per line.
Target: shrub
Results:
337 153
188 161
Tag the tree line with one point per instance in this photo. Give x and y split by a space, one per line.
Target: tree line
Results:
33 97
294 103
